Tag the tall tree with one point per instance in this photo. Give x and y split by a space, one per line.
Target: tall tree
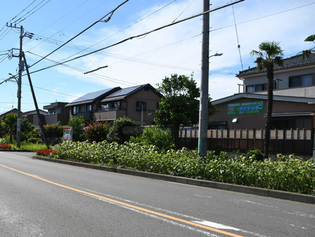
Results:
269 55
180 105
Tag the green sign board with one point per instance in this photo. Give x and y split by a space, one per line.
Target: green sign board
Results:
246 108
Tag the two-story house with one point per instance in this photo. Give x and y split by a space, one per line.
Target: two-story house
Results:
293 100
57 112
86 105
136 103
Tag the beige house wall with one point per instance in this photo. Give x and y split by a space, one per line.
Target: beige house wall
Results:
257 121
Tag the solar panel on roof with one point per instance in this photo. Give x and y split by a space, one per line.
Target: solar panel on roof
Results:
124 91
91 95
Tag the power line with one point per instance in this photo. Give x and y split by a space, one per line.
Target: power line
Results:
31 12
184 10
262 17
106 78
61 18
108 15
85 49
22 10
135 36
238 41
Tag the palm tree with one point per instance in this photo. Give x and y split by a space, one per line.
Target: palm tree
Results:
269 55
307 53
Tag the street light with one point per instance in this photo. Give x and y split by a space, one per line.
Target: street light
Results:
204 95
216 55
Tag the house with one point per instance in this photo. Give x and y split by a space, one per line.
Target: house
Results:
14 110
31 116
57 112
88 104
293 101
136 103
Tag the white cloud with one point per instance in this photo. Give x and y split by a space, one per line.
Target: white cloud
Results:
177 49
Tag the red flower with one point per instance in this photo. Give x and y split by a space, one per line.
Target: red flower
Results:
5 146
45 152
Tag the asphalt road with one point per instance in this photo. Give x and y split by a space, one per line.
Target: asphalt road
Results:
39 198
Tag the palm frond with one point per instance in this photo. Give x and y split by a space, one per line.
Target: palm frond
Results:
278 61
310 38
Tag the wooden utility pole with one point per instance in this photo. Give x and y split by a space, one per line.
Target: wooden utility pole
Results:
40 121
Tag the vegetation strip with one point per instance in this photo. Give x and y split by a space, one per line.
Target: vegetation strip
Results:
290 174
124 204
203 183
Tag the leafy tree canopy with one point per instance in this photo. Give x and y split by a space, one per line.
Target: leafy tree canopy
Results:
180 105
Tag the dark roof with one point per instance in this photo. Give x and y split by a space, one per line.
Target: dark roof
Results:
9 112
34 112
55 104
92 96
125 92
291 62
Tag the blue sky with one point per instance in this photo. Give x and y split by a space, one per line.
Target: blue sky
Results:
148 59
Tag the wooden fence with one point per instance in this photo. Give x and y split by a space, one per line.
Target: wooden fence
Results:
297 141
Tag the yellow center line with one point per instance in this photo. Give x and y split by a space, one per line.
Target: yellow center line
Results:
126 204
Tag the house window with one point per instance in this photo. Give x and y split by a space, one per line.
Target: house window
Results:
75 109
253 88
141 106
113 105
303 80
89 108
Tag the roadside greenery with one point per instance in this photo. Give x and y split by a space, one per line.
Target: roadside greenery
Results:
77 124
287 173
123 128
161 138
96 131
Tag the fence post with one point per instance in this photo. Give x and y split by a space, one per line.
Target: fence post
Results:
284 139
227 138
247 139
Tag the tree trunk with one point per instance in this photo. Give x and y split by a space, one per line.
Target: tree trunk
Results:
269 109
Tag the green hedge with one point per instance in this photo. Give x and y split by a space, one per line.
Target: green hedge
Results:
292 174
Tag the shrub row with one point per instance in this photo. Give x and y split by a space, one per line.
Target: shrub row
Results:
291 174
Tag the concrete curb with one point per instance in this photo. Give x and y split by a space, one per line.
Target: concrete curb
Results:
17 150
197 182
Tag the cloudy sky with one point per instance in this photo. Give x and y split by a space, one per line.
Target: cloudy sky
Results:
147 59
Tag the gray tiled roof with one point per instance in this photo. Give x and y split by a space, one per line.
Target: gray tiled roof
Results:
291 62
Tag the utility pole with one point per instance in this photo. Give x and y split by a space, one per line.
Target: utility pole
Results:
40 121
204 95
21 68
19 82
204 87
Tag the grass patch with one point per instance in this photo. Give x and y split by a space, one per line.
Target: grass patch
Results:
27 146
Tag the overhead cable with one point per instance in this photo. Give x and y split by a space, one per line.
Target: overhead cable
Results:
237 38
108 15
85 49
136 36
